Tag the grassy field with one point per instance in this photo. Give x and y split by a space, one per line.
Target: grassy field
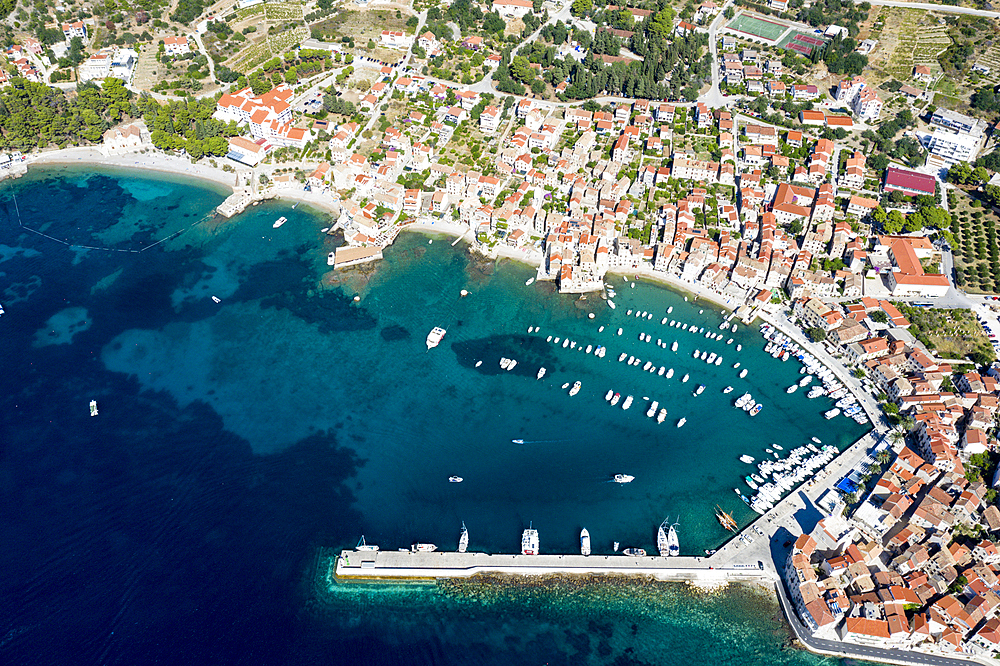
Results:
950 333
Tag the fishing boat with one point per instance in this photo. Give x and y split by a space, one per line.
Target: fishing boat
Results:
463 539
624 478
529 541
434 337
423 548
93 408
728 389
681 422
455 479
541 373
584 542
616 398
370 548
627 403
634 552
576 388
280 221
528 281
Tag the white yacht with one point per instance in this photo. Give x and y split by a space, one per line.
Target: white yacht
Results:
627 403
651 412
463 539
93 408
670 373
610 394
423 548
746 459
662 544
455 479
700 389
685 378
528 282
331 259
743 373
280 221
541 373
576 388
434 337
673 347
728 389
624 478
673 545
584 542
616 398
831 413
681 422
529 541
662 415
216 299
792 389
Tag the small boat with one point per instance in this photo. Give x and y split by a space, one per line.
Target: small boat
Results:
504 363
331 259
627 403
463 539
728 389
616 398
576 388
778 447
673 347
718 361
621 357
831 413
434 337
510 366
584 542
478 363
371 548
423 548
565 343
93 408
746 459
528 281
696 353
792 389
685 378
681 422
743 373
662 415
756 409
216 299
817 440
634 552
670 373
624 478
736 365
455 479
541 373
280 221
611 304
616 546
651 412
517 441
700 389
739 347
610 394
670 309
662 370
619 331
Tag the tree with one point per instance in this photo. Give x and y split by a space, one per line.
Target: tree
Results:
985 99
581 7
893 222
879 316
878 214
816 334
959 173
662 22
538 86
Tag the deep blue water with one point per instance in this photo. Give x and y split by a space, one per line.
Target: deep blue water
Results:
237 442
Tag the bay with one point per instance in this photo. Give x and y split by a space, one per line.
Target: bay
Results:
238 441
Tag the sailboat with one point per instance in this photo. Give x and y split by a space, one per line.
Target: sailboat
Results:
364 546
673 545
463 540
662 544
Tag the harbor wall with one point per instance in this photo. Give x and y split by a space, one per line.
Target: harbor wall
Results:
405 564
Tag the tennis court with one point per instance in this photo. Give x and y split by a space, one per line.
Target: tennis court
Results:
801 42
752 25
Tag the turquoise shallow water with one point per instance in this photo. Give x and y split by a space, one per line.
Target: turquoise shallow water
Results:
238 439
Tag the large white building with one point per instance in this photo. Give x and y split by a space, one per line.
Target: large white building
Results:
268 116
863 99
952 148
513 7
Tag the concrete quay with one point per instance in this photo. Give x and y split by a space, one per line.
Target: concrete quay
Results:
438 564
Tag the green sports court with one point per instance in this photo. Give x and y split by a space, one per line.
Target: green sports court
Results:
756 27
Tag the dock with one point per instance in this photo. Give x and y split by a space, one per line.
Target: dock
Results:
361 564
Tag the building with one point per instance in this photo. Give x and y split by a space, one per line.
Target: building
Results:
861 97
77 29
952 147
958 122
516 8
176 45
910 183
907 278
125 139
268 116
246 151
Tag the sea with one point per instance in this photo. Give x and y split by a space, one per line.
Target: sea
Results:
240 443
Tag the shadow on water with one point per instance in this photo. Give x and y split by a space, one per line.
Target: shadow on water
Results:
531 353
394 333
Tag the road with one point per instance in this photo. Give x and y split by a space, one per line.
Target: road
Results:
946 9
713 98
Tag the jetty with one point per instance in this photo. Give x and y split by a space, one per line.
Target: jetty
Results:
245 193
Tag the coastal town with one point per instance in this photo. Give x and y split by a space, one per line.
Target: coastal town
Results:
775 159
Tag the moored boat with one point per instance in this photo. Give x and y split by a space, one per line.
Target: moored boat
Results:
662 415
529 541
423 548
434 337
280 221
634 552
541 373
728 389
616 398
624 478
627 403
576 388
463 539
584 542
681 422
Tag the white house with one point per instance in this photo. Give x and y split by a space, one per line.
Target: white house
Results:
173 45
516 8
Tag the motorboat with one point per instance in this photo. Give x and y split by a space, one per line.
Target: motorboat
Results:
746 459
576 388
662 415
651 412
280 221
622 357
743 373
685 378
610 394
624 478
792 389
634 552
216 299
434 337
696 353
616 398
670 373
681 422
673 347
700 389
541 373
831 413
455 479
584 542
423 548
528 282
627 403
616 546
529 541
93 408
728 389
366 547
756 409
